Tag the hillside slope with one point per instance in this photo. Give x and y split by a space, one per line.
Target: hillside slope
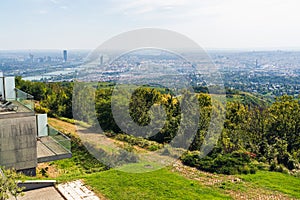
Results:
176 181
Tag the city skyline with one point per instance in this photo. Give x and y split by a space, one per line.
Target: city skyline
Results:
62 24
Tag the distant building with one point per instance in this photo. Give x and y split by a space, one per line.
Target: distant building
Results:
31 58
65 53
40 60
26 139
48 59
101 60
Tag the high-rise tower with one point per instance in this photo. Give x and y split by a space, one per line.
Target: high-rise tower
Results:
65 55
101 60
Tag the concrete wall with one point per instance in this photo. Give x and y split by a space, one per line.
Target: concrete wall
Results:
18 141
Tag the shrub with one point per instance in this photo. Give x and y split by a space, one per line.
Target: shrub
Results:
40 109
139 141
191 158
234 163
9 185
153 148
253 170
278 168
291 164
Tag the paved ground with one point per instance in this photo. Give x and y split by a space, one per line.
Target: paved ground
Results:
76 190
48 193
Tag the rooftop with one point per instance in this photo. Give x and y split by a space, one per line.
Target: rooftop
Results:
7 106
21 104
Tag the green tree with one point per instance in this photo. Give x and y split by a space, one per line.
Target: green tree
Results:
284 122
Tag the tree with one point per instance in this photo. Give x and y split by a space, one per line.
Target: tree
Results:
284 122
9 184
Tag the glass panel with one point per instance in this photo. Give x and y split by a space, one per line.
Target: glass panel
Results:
25 99
60 138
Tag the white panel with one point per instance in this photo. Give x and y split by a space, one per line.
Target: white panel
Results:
9 86
1 87
1 74
42 125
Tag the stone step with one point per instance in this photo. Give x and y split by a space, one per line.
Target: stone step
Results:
76 191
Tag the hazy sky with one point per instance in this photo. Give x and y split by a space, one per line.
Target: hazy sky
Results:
85 24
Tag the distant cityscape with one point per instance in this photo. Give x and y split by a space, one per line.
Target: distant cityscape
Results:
271 73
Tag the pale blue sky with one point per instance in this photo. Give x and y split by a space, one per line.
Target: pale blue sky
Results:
85 24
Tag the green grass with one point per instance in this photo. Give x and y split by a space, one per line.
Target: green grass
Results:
140 167
81 163
160 184
283 183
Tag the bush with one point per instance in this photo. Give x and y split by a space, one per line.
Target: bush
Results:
278 168
40 109
191 158
272 166
245 170
228 170
153 148
234 163
291 164
253 170
138 141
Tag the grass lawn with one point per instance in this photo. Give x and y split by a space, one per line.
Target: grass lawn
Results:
283 183
160 184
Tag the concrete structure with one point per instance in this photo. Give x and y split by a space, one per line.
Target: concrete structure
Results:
25 138
18 141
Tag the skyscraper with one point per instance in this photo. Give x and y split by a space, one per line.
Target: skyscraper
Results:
101 60
65 55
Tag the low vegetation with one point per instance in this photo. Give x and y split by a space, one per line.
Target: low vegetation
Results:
9 184
237 162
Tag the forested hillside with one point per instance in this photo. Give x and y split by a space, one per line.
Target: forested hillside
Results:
256 135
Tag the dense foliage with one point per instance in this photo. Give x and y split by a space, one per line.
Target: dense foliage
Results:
252 130
9 184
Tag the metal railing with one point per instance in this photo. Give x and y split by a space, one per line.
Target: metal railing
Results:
25 99
60 138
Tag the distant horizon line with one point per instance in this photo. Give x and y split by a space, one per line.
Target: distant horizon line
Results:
249 49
